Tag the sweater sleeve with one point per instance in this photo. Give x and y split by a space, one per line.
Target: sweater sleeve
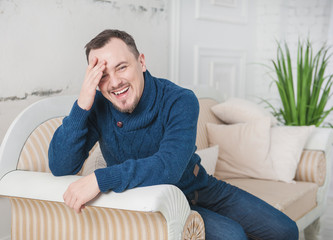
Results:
166 166
72 142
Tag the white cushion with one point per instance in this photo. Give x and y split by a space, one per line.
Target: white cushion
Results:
287 143
243 149
209 158
237 110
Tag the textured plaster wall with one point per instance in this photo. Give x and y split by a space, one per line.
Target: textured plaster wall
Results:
42 44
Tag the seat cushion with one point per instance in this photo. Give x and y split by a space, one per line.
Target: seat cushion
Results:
294 199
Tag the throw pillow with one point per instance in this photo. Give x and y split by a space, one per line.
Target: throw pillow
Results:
243 149
93 162
287 143
209 158
237 110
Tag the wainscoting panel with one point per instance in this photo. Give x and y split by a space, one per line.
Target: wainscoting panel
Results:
222 69
232 11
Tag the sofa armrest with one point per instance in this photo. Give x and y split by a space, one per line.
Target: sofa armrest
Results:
312 167
167 199
320 139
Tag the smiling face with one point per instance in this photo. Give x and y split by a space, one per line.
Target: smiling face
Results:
122 82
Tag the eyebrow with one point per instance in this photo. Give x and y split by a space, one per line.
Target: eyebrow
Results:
120 64
115 67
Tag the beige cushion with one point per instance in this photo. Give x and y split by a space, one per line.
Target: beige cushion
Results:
312 167
209 158
237 110
93 162
287 144
257 150
243 149
295 200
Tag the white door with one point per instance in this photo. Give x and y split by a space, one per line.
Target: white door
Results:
212 45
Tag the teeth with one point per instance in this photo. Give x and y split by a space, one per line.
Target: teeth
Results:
121 91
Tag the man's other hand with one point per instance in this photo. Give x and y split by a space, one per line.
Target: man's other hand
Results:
81 191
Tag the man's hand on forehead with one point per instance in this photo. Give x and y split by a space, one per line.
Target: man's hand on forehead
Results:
93 76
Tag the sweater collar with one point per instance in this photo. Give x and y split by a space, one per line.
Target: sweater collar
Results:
148 97
146 108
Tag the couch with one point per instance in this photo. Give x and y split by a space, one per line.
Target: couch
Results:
37 207
157 212
304 198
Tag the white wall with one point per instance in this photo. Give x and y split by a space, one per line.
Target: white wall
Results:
287 20
224 44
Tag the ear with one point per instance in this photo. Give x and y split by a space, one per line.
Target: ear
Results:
142 62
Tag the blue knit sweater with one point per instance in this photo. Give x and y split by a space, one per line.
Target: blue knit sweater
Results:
154 145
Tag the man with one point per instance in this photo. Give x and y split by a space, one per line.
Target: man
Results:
146 128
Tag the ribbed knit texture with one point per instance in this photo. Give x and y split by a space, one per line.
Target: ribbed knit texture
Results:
155 144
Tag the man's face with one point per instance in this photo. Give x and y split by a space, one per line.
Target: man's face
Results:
122 82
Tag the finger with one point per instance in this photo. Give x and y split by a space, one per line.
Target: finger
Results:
83 207
95 71
69 197
77 206
92 63
95 64
96 76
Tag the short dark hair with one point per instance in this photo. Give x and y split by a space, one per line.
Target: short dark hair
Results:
104 37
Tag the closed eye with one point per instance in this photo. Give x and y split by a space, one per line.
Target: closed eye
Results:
122 67
104 77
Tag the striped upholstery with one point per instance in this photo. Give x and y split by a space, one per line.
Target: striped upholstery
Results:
194 227
312 167
34 153
35 219
205 116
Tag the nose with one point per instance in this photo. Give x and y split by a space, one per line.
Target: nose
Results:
114 83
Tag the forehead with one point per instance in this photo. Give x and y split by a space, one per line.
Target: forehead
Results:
114 50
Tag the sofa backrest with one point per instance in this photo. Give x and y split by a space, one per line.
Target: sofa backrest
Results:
34 153
205 116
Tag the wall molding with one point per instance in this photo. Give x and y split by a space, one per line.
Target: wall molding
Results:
174 41
231 11
223 68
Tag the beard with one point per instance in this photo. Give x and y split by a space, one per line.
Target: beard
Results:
129 109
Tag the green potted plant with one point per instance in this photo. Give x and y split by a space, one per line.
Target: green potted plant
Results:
303 99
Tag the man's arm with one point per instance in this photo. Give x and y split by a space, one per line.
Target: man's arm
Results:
72 141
